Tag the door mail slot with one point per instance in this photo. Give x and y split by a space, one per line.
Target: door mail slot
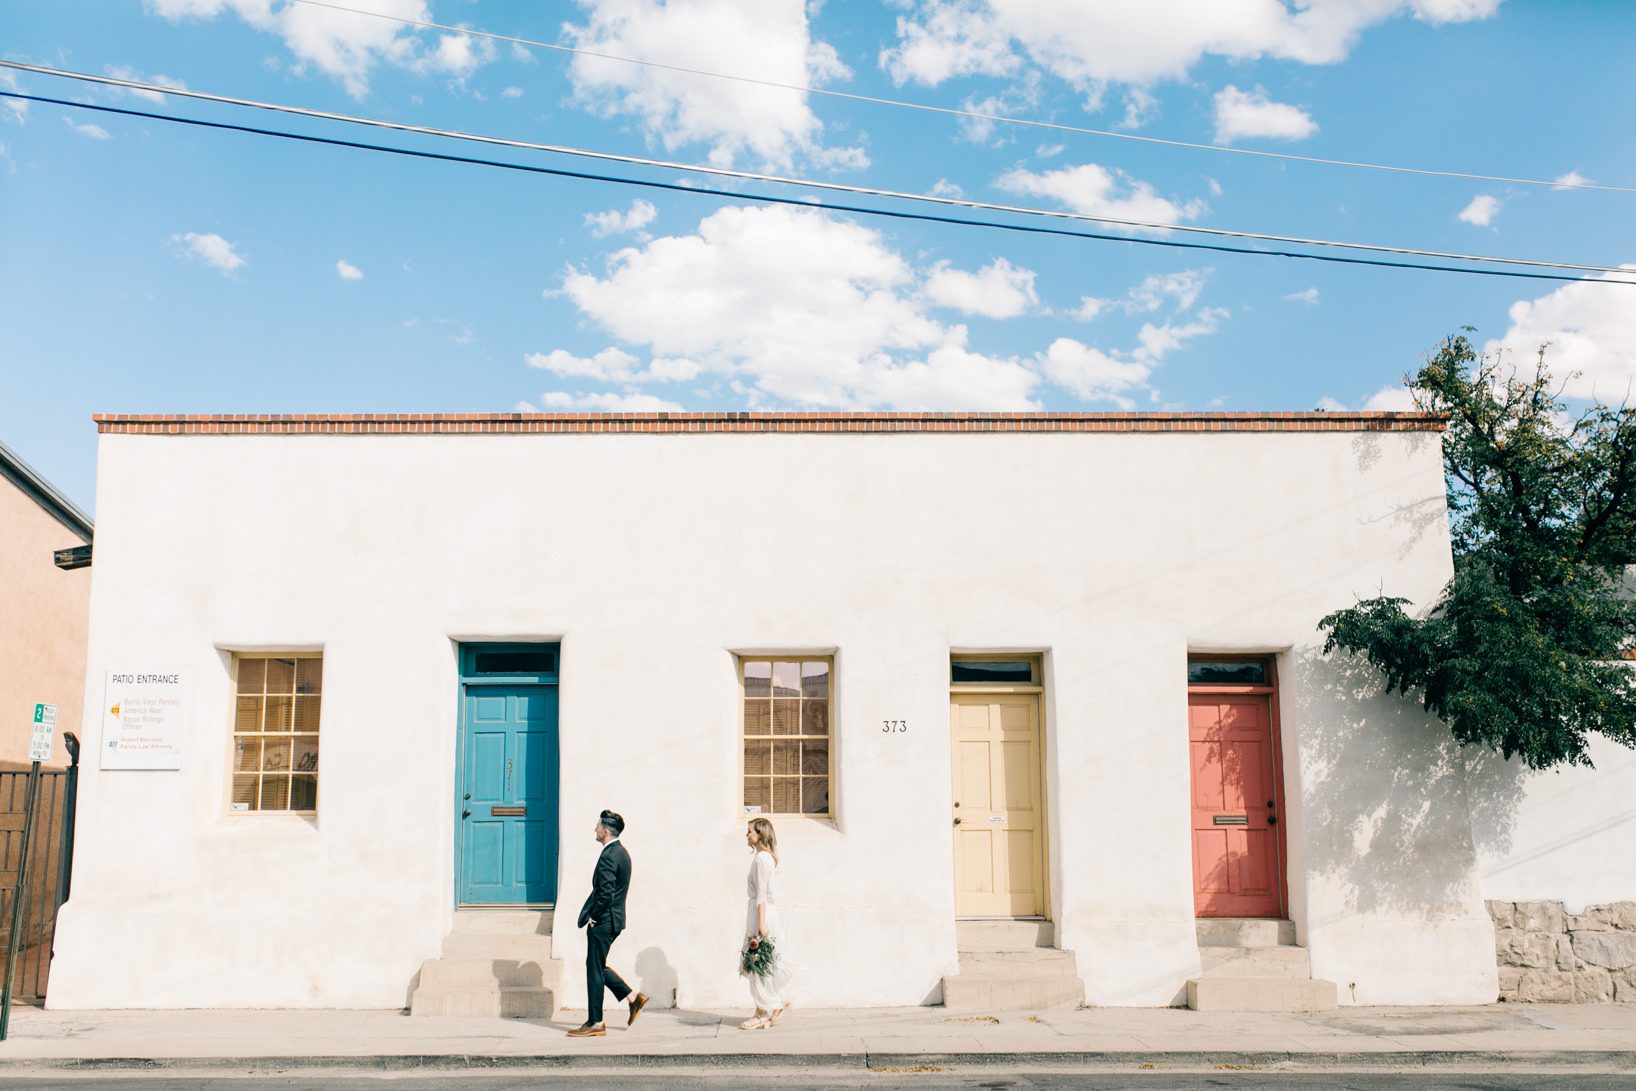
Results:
508 812
1219 820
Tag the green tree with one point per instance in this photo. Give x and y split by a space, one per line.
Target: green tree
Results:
1523 650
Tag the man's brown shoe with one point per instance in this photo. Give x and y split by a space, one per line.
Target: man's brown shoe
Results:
588 1030
638 1002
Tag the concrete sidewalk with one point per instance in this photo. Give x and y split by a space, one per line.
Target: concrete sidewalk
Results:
1602 1037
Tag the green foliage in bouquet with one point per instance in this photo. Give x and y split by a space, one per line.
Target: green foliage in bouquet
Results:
758 956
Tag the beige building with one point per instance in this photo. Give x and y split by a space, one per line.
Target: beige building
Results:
45 597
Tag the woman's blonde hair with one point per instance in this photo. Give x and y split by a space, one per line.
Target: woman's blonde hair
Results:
765 837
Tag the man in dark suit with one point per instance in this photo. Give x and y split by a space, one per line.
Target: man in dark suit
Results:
603 918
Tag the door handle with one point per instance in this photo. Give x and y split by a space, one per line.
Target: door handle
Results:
1272 820
465 814
957 822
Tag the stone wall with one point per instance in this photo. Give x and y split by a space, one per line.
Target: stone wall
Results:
1546 953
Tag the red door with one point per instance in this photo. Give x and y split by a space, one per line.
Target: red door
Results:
1237 847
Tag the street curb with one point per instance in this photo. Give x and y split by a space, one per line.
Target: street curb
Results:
1203 1060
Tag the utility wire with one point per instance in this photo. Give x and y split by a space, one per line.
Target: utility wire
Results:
972 115
835 187
896 214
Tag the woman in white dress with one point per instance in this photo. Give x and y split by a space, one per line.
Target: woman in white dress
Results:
761 920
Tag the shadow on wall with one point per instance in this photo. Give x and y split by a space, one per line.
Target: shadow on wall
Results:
1386 802
1415 518
1497 776
656 977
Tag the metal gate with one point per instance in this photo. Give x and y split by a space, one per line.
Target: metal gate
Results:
49 857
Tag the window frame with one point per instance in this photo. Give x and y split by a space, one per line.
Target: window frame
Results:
236 661
739 660
1035 661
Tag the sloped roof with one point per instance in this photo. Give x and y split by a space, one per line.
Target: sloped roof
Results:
43 493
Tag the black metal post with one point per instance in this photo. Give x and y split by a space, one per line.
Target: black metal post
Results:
70 796
17 896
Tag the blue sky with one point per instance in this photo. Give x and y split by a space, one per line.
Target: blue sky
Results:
146 266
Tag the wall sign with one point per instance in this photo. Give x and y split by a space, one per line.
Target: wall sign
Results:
44 730
142 719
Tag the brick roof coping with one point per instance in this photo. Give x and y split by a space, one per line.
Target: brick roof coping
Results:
692 423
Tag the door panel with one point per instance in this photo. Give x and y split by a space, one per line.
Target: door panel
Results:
998 836
508 762
1237 856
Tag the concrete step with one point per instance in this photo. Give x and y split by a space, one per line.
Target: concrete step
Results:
1245 932
1028 960
1003 935
1255 962
507 921
497 946
1012 992
496 1002
490 971
1260 994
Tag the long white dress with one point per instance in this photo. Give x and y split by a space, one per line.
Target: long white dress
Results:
762 889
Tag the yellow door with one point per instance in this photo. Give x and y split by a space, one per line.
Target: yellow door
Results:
999 847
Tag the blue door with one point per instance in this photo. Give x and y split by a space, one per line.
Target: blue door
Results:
507 810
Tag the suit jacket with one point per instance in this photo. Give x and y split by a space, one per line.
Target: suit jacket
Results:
608 886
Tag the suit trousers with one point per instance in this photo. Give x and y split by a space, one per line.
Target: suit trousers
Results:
598 938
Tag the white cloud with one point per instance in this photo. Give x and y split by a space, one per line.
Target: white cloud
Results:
348 271
1590 329
1097 375
950 39
1014 100
1140 108
998 290
1178 290
16 110
607 403
639 215
797 307
945 188
1251 114
1393 399
1097 191
1572 178
211 249
95 132
1309 296
1481 211
1089 308
512 92
611 365
347 46
1093 42
768 40
126 72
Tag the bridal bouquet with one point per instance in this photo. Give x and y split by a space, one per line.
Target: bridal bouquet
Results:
758 956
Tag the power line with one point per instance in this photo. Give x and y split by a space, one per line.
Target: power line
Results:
896 214
971 115
835 187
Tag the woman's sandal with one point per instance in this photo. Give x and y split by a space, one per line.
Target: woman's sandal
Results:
774 1017
756 1022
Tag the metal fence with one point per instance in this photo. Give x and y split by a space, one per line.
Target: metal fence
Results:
47 886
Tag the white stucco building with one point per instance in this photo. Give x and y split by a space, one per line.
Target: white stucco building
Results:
417 655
